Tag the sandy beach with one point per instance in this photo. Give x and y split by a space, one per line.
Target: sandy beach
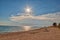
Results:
48 33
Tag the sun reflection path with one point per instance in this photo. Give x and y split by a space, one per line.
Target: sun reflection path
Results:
27 28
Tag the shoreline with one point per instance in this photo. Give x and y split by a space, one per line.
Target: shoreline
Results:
48 33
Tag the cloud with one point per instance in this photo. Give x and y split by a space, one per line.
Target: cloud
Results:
49 16
8 23
54 16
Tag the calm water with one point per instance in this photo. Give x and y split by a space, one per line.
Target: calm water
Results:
4 29
38 24
10 29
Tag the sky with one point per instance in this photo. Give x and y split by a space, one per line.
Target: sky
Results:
45 12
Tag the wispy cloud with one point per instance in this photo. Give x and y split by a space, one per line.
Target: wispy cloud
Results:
54 16
49 16
33 20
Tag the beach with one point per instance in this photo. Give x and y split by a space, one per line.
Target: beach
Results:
48 33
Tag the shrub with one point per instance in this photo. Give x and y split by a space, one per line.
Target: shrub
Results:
54 24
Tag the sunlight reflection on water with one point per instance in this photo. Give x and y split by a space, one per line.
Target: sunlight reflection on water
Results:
27 28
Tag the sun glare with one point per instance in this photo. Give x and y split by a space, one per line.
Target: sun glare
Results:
27 28
28 9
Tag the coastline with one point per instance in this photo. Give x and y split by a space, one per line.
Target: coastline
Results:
52 33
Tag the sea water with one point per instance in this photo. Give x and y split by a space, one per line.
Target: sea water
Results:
4 29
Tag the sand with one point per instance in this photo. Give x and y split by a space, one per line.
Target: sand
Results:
49 33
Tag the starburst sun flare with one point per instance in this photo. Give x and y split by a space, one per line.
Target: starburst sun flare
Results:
28 9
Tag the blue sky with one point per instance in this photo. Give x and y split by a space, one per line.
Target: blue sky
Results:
39 7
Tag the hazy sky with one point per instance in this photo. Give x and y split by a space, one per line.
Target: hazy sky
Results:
45 8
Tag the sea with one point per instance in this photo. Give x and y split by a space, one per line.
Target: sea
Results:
6 29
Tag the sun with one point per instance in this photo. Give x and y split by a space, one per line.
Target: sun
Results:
28 9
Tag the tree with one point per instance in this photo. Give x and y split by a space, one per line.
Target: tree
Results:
54 24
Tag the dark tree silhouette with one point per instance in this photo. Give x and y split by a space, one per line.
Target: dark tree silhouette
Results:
54 24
